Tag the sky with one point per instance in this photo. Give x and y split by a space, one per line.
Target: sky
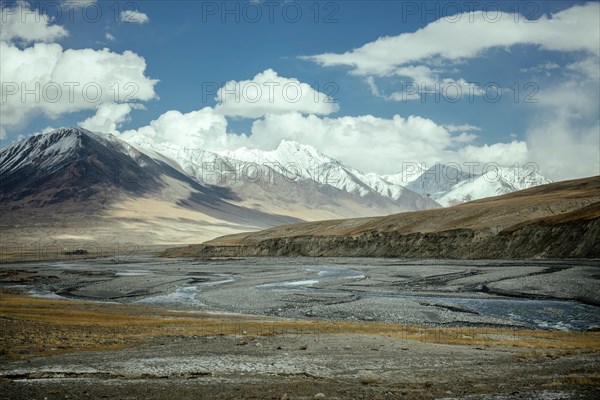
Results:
374 84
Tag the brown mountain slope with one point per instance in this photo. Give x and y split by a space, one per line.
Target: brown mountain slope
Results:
555 220
76 188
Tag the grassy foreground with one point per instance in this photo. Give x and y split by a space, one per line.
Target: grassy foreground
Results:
32 327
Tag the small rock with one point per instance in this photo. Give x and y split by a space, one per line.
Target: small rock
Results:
368 378
284 397
278 347
304 347
242 343
258 344
319 396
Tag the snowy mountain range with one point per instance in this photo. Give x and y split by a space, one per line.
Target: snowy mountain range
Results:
451 186
445 184
160 187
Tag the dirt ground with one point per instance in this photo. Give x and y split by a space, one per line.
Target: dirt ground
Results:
57 349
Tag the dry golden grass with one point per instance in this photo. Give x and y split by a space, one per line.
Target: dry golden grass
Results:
36 327
574 379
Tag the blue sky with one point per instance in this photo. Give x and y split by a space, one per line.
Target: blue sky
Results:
189 44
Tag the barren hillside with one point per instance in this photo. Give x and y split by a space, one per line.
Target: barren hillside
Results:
554 220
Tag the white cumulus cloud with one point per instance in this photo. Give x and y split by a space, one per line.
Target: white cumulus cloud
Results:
424 55
564 135
48 79
108 117
369 143
78 3
269 93
134 17
22 24
374 144
462 128
470 35
201 129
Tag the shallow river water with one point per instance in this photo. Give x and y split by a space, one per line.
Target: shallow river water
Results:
348 289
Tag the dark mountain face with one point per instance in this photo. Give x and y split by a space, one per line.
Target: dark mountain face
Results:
76 164
73 164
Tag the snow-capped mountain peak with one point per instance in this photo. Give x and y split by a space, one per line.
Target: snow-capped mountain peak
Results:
286 152
294 161
292 147
306 162
450 186
42 151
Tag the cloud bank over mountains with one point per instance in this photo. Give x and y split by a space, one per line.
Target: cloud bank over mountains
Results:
40 76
